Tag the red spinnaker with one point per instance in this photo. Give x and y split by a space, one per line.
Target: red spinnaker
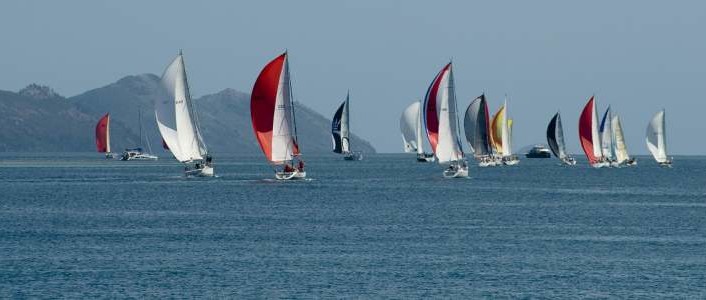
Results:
262 103
102 134
586 131
431 115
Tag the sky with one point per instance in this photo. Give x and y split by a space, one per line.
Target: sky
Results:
547 56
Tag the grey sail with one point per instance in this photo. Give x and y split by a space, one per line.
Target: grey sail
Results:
476 127
337 133
555 137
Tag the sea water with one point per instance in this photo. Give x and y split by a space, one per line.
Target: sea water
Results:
79 226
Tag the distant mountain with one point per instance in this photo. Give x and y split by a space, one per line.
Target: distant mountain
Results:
38 119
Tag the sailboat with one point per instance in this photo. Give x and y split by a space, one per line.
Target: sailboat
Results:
138 153
272 114
501 137
340 132
178 122
476 126
555 139
657 139
621 150
442 124
411 127
607 137
103 136
590 136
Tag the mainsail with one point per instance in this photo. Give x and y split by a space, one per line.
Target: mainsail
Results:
271 112
411 127
476 127
339 128
621 150
176 117
607 134
656 137
103 134
588 132
440 117
555 137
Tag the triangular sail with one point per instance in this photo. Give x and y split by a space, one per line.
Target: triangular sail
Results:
476 127
272 113
339 129
588 132
607 135
621 150
103 134
656 137
496 130
410 126
506 133
176 117
441 119
555 137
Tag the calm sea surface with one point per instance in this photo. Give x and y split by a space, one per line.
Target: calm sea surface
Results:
75 225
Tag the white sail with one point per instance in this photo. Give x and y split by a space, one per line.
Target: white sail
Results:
165 110
448 147
607 135
595 135
410 127
656 137
282 138
621 150
505 133
175 115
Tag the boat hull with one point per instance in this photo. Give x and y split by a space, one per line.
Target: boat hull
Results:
352 156
426 157
205 171
295 175
460 172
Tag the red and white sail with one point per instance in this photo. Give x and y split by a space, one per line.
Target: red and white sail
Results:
440 117
588 132
272 113
103 134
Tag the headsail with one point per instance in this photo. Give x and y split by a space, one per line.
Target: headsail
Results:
476 126
496 130
339 128
410 125
621 150
272 113
176 117
555 137
440 117
656 137
103 134
588 132
607 134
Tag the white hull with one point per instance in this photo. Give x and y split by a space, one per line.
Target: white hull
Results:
353 156
204 171
510 160
459 172
290 175
487 161
603 164
423 157
141 157
665 164
569 161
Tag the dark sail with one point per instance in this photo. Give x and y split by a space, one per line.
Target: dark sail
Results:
551 136
476 126
336 129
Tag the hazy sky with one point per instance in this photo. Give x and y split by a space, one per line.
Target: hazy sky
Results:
638 56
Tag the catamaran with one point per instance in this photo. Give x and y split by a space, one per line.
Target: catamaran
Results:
411 127
340 132
590 136
138 153
621 150
501 137
657 139
442 124
103 136
178 122
476 126
272 114
555 139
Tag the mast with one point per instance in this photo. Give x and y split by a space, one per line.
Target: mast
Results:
420 142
